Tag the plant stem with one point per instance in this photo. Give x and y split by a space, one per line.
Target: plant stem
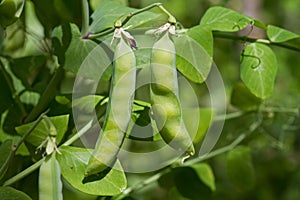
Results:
18 144
79 134
247 39
12 89
85 17
24 173
125 18
47 96
155 177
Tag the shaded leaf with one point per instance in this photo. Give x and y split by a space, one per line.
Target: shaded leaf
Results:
224 19
243 99
5 149
9 193
258 69
205 174
239 168
41 131
28 68
73 162
189 184
277 34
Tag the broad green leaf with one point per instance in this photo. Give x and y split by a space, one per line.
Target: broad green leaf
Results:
6 99
50 185
9 193
192 60
28 68
203 36
239 168
258 69
243 99
224 19
73 161
83 55
40 133
106 14
205 174
277 34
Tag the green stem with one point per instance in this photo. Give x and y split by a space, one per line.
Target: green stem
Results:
79 134
12 89
24 173
217 152
252 40
47 96
85 17
125 18
18 144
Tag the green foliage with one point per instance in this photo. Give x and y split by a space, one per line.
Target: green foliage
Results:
258 69
73 162
48 44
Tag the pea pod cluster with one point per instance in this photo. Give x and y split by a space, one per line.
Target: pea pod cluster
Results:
164 93
119 109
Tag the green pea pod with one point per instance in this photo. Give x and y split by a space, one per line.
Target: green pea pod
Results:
50 186
118 113
166 107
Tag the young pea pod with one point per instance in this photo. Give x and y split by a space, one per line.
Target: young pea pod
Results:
118 112
166 107
50 185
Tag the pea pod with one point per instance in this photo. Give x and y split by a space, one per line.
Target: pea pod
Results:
118 111
50 186
166 107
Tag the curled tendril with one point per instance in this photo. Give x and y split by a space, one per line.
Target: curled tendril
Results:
251 56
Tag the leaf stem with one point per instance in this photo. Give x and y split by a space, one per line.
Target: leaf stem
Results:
24 173
18 144
121 21
85 17
217 152
12 89
248 39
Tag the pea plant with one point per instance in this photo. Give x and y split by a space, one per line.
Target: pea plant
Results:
106 101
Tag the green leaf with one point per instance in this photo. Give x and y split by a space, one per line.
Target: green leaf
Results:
243 99
9 193
258 69
28 68
106 14
87 103
205 174
192 59
190 185
73 162
224 19
240 169
83 54
40 133
203 36
277 34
